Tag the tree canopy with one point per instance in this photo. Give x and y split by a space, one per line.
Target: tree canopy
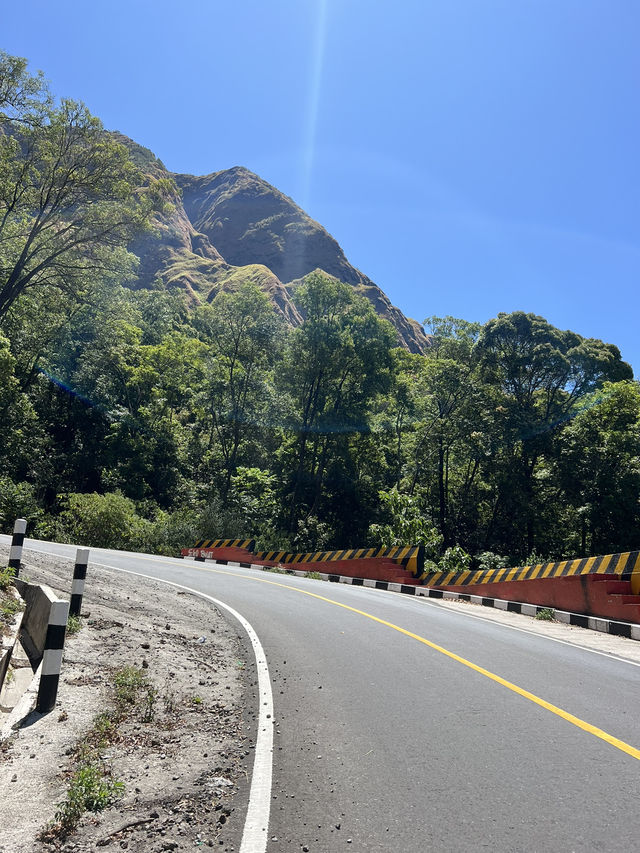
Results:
70 197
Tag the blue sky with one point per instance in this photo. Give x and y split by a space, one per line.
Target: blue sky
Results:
470 156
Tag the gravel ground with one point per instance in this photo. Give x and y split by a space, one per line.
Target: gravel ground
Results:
184 756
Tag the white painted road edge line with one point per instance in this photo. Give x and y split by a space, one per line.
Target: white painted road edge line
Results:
255 835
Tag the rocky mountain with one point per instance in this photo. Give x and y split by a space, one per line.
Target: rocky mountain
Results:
232 226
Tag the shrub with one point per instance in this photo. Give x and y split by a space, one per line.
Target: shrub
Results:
102 521
489 560
455 559
91 790
17 500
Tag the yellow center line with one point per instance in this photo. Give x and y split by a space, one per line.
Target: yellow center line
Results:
520 691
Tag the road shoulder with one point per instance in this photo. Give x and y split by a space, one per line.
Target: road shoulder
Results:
183 755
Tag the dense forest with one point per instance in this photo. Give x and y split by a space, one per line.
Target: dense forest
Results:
138 417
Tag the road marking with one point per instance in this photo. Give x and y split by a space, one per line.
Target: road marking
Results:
254 835
486 618
514 688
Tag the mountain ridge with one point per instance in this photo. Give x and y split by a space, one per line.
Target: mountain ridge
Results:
232 226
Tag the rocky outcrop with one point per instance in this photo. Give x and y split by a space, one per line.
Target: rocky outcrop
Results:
251 222
222 229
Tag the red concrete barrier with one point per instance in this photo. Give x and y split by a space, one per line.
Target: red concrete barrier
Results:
373 568
594 595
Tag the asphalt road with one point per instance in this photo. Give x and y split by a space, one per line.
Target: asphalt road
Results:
401 725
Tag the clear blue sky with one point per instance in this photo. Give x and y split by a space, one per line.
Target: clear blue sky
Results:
470 156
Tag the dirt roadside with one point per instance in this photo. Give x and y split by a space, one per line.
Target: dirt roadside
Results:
185 762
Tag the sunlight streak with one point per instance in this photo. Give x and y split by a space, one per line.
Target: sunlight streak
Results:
313 101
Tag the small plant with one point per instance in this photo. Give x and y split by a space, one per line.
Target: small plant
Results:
9 606
128 681
103 729
6 577
196 700
316 576
169 702
74 624
547 614
90 790
278 570
149 704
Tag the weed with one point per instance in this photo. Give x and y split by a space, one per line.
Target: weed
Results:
169 702
90 790
149 704
103 732
6 577
196 700
316 576
91 787
9 606
547 614
74 624
277 570
128 681
103 729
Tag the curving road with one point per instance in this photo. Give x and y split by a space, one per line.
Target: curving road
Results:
401 725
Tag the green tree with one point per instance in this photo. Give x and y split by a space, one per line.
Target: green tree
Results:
537 375
446 385
242 334
336 365
597 464
406 524
69 193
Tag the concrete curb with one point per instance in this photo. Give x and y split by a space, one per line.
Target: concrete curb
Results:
593 623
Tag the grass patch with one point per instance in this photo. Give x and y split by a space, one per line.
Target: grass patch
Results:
91 786
316 576
74 624
547 614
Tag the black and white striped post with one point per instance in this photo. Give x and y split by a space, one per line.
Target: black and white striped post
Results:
52 657
79 576
15 555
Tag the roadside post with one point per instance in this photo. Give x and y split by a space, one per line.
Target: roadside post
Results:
15 555
79 576
52 657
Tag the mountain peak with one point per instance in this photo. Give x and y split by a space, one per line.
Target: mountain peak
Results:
232 223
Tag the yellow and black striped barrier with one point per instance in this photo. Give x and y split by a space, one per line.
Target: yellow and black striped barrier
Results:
409 556
625 566
247 544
